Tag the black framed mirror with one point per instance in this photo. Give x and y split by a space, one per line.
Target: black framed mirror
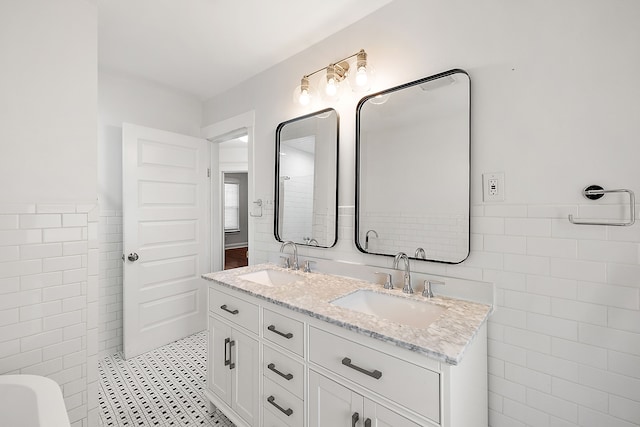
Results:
412 169
306 179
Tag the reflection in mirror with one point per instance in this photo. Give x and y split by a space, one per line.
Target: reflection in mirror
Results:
412 169
306 195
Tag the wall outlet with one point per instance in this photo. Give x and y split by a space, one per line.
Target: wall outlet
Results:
493 187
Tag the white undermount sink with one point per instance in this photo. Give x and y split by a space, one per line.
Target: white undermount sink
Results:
397 309
270 277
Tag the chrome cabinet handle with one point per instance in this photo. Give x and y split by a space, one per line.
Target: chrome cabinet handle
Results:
375 373
224 307
287 412
354 419
231 364
273 329
272 368
133 257
227 359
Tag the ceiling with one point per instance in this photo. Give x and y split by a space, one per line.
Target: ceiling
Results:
205 47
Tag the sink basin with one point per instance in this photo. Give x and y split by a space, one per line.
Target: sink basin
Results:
405 311
271 277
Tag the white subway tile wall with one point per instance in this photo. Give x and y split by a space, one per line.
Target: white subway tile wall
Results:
110 283
564 341
48 283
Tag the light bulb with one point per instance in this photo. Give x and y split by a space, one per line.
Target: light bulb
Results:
332 87
361 76
304 97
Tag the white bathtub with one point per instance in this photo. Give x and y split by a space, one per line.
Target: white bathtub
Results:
31 401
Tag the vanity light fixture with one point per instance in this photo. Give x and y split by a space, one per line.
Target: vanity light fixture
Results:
357 74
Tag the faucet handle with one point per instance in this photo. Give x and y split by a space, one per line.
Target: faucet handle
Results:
286 262
427 292
307 265
388 283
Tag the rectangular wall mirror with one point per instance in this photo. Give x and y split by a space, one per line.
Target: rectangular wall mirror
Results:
412 169
306 187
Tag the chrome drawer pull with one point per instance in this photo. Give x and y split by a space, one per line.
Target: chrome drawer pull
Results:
375 373
224 307
288 335
287 412
272 368
354 419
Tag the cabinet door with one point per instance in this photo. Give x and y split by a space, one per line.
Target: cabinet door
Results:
331 404
246 367
219 374
380 416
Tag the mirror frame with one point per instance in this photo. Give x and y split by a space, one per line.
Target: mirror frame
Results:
358 165
277 176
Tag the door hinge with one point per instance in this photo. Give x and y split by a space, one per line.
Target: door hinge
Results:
208 172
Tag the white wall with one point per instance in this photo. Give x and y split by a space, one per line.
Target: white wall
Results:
554 106
127 99
48 214
48 102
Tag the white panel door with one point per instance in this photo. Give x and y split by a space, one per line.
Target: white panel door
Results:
332 404
166 236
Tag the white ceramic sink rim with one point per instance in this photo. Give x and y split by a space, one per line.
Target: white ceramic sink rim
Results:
406 311
270 277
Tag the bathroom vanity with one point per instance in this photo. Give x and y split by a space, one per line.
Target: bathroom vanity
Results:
288 348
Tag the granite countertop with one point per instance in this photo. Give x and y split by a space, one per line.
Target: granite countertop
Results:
445 339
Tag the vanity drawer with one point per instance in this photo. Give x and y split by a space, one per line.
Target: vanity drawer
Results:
270 420
284 331
234 309
284 405
284 371
403 382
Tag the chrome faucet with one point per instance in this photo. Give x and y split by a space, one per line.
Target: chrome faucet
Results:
407 289
428 284
366 238
295 265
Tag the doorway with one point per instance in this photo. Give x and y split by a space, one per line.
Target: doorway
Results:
236 219
230 199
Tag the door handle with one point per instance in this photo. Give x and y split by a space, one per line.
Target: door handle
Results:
231 364
133 257
227 359
354 419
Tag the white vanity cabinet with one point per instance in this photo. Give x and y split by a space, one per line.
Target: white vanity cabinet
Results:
233 362
275 367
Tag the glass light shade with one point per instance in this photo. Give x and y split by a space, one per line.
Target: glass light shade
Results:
303 95
362 78
332 89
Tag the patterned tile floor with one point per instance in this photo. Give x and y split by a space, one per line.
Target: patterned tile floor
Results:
162 388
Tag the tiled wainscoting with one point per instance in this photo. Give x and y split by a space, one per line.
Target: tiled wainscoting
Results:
164 387
564 341
110 283
48 299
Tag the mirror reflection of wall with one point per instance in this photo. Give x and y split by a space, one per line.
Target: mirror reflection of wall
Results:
306 179
296 182
413 170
